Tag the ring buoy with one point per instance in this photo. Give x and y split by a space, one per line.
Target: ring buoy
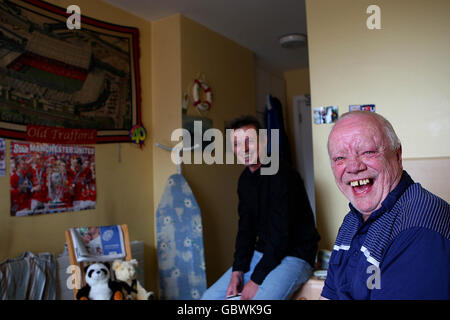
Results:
202 102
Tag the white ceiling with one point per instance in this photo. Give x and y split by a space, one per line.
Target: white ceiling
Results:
254 24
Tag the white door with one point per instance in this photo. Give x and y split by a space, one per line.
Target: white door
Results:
303 145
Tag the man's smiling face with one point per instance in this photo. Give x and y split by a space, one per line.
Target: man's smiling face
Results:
245 142
365 167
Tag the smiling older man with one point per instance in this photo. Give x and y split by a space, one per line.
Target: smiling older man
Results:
395 241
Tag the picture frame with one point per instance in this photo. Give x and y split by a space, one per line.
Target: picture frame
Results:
86 78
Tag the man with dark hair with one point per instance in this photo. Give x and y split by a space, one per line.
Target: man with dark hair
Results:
245 121
277 240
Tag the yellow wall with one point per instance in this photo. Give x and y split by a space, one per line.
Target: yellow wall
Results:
402 68
173 51
166 96
229 70
297 83
124 190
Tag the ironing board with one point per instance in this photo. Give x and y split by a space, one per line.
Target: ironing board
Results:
182 271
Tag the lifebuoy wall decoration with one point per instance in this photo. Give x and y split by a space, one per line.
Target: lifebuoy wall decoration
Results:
202 95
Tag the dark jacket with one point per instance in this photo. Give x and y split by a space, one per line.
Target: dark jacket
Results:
275 218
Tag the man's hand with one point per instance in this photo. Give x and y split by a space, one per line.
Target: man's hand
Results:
249 291
236 282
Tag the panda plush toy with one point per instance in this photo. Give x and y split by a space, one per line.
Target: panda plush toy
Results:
99 285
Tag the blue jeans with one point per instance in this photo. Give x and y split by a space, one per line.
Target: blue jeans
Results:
279 284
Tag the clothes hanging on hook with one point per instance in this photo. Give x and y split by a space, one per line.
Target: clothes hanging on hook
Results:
273 118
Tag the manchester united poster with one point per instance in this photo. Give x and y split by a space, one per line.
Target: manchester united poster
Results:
51 178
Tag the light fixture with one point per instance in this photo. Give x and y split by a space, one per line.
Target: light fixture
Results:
293 40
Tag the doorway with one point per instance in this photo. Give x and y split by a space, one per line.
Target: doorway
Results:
303 145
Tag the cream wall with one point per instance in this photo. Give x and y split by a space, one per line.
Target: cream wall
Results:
124 189
402 68
229 70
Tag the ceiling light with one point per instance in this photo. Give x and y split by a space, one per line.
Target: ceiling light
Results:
293 40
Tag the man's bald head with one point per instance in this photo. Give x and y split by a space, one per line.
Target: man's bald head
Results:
384 124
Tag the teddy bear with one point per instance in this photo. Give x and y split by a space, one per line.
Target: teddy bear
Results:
99 285
126 271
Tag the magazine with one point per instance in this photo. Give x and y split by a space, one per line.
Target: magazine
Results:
98 243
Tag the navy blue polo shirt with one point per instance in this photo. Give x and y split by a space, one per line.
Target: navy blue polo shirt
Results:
415 265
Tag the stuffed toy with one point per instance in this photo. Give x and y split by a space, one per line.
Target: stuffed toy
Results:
126 271
99 285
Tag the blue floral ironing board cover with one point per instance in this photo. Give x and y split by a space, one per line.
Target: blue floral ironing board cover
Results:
181 261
